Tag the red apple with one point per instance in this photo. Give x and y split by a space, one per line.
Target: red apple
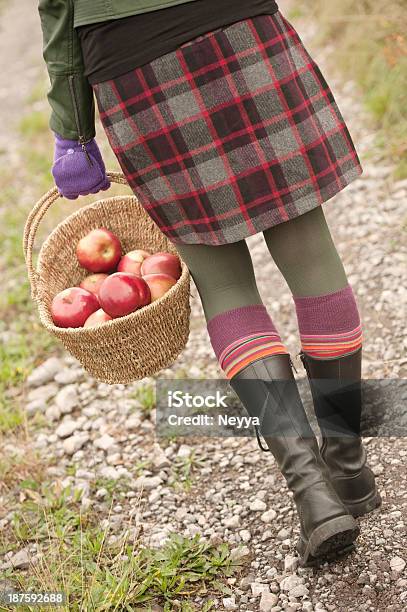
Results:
159 284
71 307
122 293
162 263
131 262
93 282
97 318
99 251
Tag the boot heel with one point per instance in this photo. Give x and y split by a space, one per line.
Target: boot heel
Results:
333 538
364 507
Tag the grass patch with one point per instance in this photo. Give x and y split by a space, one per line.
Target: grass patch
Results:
146 396
183 470
140 467
21 469
11 417
114 488
370 47
75 555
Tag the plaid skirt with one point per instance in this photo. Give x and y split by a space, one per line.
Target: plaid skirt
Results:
232 133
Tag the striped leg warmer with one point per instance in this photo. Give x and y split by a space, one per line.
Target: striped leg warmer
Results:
242 336
329 324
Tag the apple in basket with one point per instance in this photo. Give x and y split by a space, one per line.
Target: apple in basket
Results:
99 251
97 318
162 263
93 282
122 293
131 262
159 284
71 307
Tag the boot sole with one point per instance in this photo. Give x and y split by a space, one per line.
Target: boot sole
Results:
331 539
364 506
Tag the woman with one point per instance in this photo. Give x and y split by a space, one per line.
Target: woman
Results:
224 127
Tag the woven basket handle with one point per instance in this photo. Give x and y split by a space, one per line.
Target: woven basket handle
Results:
33 221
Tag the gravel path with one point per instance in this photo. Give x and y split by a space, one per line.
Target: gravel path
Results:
236 494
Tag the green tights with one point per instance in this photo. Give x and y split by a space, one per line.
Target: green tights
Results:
302 249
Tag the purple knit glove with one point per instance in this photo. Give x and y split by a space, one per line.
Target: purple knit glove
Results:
78 169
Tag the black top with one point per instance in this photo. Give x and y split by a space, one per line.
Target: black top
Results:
114 47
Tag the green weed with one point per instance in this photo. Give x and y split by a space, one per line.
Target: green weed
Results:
140 466
11 417
183 469
114 488
77 557
146 396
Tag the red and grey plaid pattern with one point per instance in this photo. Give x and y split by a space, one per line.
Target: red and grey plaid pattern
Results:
230 135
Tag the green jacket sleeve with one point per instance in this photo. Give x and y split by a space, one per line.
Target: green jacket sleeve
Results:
70 94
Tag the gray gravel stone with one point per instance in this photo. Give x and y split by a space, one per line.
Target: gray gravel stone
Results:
110 473
19 560
397 564
68 376
239 554
104 442
268 516
290 563
229 603
245 535
45 373
74 443
66 428
290 582
43 393
133 422
53 413
267 601
184 451
258 506
258 588
67 399
232 522
34 407
299 591
148 483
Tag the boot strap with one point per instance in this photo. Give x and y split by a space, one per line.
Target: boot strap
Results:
259 442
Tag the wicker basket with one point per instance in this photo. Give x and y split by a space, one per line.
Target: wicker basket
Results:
126 349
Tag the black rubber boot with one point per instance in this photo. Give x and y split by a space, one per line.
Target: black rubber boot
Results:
268 391
337 394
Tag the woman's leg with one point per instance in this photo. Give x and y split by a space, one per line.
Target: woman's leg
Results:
331 339
224 276
252 355
327 312
239 326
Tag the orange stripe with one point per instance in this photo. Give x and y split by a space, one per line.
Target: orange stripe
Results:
332 345
259 355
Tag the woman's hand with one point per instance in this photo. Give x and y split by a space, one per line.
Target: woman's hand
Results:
78 168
